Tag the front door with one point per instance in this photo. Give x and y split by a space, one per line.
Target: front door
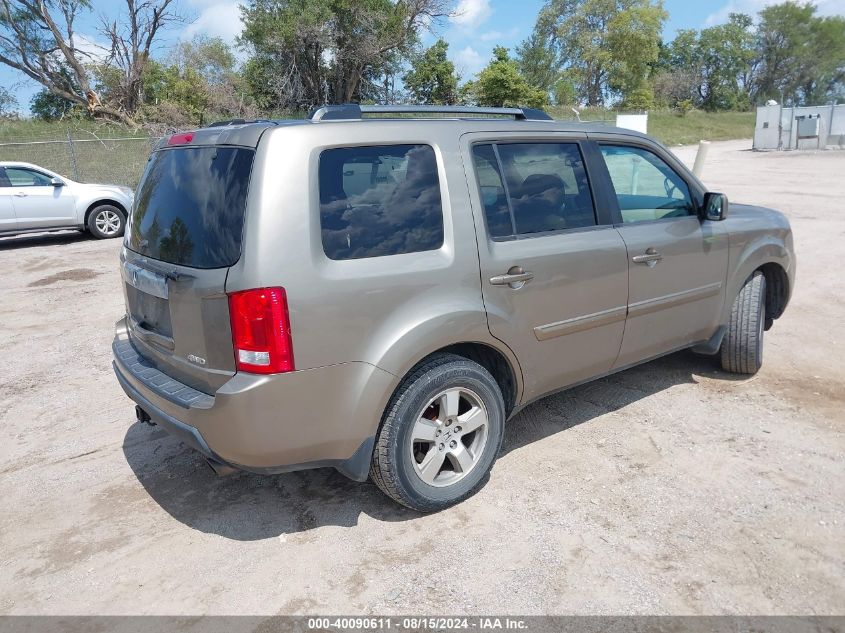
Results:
8 221
677 262
39 204
554 271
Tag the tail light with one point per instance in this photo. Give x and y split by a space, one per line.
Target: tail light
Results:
261 331
181 139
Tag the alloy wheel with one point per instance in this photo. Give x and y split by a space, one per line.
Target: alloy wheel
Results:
449 436
107 222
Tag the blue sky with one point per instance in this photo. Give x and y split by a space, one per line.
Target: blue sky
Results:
475 27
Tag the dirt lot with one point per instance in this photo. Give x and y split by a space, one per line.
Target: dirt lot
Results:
669 488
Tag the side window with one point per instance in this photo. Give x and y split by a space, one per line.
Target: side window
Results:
4 180
492 192
547 188
21 177
646 187
379 200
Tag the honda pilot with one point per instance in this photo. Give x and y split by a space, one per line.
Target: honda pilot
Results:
379 289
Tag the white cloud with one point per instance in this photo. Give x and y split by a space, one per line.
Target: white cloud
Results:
468 62
215 18
752 7
471 13
92 49
499 35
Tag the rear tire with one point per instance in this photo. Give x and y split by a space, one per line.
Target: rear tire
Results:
440 435
742 347
106 221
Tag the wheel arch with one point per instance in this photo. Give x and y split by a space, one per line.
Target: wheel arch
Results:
777 289
497 359
493 360
770 256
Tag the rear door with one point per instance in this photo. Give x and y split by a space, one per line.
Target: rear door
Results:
39 204
554 271
183 235
677 262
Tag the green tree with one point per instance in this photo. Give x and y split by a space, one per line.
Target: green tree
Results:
174 94
565 92
682 52
210 57
726 52
537 57
307 52
634 40
501 85
47 106
677 73
823 78
432 77
608 46
211 64
801 57
8 103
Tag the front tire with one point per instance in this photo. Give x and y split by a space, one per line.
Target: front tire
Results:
742 347
106 221
441 434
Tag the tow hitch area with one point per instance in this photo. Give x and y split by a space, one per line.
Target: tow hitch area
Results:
143 416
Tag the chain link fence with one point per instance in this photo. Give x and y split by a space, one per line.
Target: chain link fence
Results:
111 154
108 156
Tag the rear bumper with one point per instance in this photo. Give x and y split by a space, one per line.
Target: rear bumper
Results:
325 417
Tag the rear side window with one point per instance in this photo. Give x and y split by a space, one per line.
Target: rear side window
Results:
379 200
190 206
533 188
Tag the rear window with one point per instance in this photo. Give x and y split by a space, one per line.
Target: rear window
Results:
379 200
189 209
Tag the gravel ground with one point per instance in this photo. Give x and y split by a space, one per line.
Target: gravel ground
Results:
669 488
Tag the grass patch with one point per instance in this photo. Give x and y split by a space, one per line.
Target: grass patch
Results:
672 129
95 157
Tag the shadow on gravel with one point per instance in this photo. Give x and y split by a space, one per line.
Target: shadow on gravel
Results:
569 408
33 240
248 507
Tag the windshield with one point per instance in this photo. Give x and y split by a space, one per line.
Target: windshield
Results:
190 206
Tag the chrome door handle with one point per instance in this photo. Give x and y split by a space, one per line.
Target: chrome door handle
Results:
650 257
21 194
515 278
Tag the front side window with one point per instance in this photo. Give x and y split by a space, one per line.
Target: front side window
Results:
22 177
533 188
379 200
646 187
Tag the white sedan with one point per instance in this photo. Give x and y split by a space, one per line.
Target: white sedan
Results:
34 199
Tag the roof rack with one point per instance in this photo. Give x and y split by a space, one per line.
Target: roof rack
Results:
353 111
238 122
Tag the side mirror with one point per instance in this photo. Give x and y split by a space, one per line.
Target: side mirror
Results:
57 182
715 206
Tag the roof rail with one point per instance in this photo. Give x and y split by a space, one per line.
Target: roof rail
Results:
238 122
354 111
